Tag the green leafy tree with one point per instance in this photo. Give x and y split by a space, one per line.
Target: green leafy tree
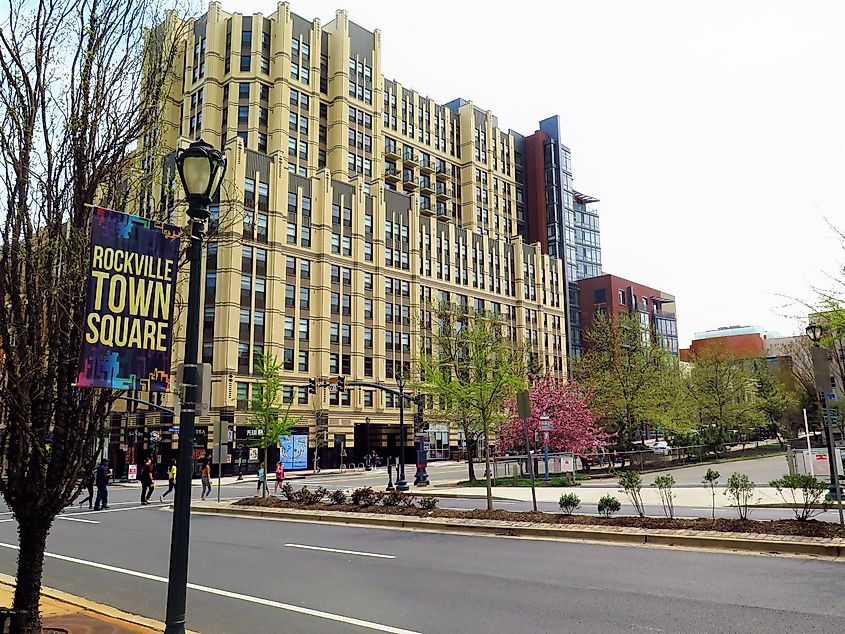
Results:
632 380
265 415
722 391
773 400
476 367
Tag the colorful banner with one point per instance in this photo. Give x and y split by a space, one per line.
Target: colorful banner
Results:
293 451
127 332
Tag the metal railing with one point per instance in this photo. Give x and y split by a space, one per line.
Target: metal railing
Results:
641 460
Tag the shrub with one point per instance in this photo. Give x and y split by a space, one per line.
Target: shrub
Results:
320 493
408 499
711 479
741 491
392 498
569 502
428 502
632 485
804 491
287 491
306 496
365 496
664 485
338 496
608 505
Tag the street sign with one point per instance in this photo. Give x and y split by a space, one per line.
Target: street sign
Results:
133 472
545 425
332 388
173 430
831 396
523 404
155 436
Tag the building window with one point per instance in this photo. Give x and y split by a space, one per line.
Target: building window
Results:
622 297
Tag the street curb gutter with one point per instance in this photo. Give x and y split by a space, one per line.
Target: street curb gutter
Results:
780 545
86 605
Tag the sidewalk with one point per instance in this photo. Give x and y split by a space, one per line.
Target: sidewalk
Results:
74 614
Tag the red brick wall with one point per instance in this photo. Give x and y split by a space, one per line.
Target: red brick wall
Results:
535 193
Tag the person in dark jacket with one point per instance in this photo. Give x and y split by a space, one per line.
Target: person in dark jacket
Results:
147 481
101 480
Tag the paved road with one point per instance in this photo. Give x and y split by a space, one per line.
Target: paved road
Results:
254 576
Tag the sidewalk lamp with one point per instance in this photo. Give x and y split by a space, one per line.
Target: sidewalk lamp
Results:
821 373
401 483
201 168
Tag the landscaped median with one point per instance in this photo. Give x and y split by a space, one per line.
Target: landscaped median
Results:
808 538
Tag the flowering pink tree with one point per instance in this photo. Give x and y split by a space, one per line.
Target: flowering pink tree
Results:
575 427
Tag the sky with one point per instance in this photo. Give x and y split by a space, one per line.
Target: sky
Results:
712 131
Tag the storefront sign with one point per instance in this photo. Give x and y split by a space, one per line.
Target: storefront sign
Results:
133 472
130 296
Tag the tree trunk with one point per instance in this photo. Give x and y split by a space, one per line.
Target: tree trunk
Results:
33 543
487 473
471 445
264 486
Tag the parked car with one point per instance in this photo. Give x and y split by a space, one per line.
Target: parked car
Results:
661 448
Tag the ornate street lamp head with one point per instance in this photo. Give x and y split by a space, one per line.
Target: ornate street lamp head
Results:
815 333
201 167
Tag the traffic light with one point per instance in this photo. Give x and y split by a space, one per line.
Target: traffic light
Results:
230 384
341 383
312 386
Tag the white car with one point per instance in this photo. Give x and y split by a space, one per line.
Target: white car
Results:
661 448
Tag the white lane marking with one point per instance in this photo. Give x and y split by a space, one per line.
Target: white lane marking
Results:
456 508
378 627
76 519
343 552
131 508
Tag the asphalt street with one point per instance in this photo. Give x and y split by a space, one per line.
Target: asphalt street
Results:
275 576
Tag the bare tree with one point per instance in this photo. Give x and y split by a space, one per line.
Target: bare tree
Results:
72 76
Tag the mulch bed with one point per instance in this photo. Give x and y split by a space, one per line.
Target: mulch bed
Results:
809 528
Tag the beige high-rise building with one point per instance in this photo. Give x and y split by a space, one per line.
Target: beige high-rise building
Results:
349 203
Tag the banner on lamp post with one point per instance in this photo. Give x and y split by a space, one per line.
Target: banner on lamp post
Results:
127 330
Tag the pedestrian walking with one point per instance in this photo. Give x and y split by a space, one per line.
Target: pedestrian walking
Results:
171 480
147 481
205 474
89 476
280 476
262 481
101 480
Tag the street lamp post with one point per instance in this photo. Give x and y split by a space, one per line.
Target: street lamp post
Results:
201 168
820 374
401 483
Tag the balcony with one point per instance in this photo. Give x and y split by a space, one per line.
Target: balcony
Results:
392 175
444 192
391 151
662 314
410 184
425 206
443 172
426 165
441 210
409 158
426 186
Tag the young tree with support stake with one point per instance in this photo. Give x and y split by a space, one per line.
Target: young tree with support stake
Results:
265 415
72 76
474 367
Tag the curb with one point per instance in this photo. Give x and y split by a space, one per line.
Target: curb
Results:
736 542
86 605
